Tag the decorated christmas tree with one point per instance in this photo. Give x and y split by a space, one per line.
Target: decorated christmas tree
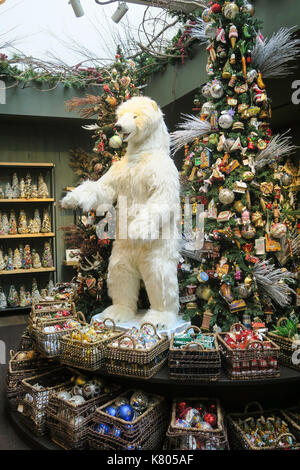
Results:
13 297
47 260
242 265
27 259
119 84
3 301
42 190
8 191
36 260
22 223
9 260
17 260
35 294
5 223
46 224
22 189
15 186
12 223
2 262
28 186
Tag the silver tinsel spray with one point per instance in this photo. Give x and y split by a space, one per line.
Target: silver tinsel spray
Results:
271 282
279 146
191 128
198 31
273 56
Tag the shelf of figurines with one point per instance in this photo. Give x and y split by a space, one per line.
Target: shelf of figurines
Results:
27 271
48 199
28 235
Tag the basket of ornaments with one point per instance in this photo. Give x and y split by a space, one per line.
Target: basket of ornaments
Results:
47 334
287 337
135 420
23 364
196 423
194 355
85 346
137 353
292 417
261 430
37 390
248 354
50 310
69 411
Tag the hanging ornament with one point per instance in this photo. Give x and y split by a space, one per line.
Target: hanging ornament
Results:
248 8
230 10
238 206
278 230
226 196
251 76
217 90
115 142
206 15
111 100
216 8
206 91
286 179
211 31
227 71
233 35
225 120
207 108
248 232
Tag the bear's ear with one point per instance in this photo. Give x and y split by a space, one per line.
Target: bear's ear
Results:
154 105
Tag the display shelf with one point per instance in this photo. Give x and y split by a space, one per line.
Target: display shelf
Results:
48 199
28 235
14 310
28 271
70 263
27 165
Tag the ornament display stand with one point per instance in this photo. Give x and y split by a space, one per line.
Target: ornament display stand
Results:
42 202
234 394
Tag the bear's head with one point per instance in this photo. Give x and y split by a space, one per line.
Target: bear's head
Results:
138 118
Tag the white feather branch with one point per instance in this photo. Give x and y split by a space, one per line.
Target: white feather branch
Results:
91 127
271 281
273 57
191 128
279 146
198 31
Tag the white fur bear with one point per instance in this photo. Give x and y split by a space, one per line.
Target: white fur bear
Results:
147 177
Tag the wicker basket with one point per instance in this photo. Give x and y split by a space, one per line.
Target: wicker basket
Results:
287 347
136 362
49 344
251 363
87 356
26 342
21 369
238 437
193 362
45 310
69 424
292 416
175 433
146 432
34 400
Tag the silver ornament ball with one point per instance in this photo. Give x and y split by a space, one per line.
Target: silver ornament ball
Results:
226 196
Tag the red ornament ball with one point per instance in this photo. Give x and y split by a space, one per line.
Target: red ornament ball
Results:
216 8
210 418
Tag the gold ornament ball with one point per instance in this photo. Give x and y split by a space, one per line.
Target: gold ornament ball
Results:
111 100
238 206
286 179
204 293
98 167
248 8
231 10
226 196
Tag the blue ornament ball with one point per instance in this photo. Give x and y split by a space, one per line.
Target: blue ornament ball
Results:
125 412
111 410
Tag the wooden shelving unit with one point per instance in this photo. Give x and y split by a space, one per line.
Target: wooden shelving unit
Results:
47 169
28 235
28 271
70 263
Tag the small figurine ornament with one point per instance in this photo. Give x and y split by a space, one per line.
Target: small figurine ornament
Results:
15 186
43 192
27 259
9 260
5 224
13 297
22 189
35 294
23 300
3 301
47 261
36 260
12 223
46 224
34 191
22 224
28 188
8 191
17 261
2 262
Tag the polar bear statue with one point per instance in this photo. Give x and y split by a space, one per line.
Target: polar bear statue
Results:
148 247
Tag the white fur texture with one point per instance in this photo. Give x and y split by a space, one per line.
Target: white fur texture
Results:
149 180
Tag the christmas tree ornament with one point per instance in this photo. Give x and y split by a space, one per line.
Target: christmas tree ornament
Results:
207 109
15 186
28 188
206 15
139 401
3 301
225 120
46 224
248 8
12 223
226 196
35 294
2 261
17 261
112 101
23 298
115 142
230 10
205 92
22 189
8 191
47 260
211 31
36 260
125 412
216 89
43 192
286 180
248 231
22 223
27 259
34 191
239 206
278 230
207 316
13 297
233 35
